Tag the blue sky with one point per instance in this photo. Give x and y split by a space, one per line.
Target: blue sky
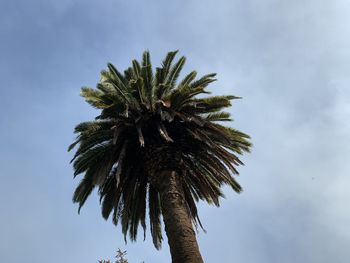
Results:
289 60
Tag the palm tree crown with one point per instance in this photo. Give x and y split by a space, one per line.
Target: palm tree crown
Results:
151 122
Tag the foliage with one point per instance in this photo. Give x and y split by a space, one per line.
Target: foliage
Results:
120 257
148 122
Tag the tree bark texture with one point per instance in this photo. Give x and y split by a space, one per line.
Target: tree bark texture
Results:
178 225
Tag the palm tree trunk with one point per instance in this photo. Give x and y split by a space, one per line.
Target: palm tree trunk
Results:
178 225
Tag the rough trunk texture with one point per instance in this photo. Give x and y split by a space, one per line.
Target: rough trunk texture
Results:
178 225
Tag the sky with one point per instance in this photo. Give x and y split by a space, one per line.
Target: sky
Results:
290 62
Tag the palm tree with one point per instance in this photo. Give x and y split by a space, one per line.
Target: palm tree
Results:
155 141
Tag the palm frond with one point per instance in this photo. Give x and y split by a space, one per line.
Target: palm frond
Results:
83 191
147 76
218 116
175 72
154 214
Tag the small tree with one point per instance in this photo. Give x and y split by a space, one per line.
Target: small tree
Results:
120 257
